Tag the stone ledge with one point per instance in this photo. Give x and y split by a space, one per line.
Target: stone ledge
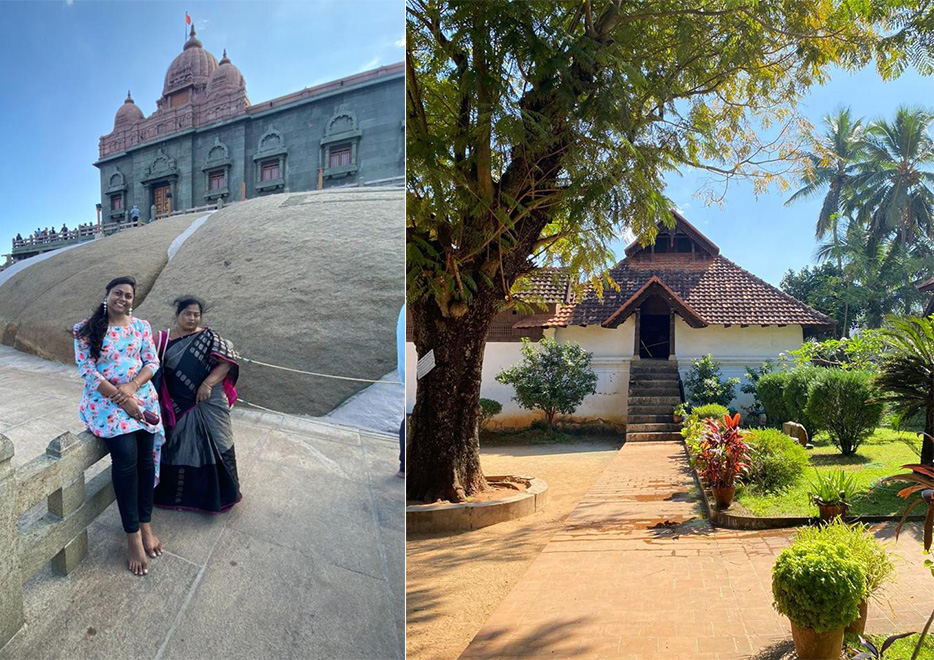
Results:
421 518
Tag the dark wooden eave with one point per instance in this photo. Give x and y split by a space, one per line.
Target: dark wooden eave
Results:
685 227
658 288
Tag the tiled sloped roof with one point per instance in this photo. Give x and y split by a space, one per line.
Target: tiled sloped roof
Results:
549 285
927 285
718 290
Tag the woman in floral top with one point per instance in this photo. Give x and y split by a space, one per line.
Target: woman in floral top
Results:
116 358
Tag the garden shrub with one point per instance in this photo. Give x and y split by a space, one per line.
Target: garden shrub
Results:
795 396
488 409
693 426
705 385
771 388
842 403
861 542
818 584
552 377
778 461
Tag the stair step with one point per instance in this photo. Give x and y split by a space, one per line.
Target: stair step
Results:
669 400
648 418
654 382
653 436
656 426
652 409
655 391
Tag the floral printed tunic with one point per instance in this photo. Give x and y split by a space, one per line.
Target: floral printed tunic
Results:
124 353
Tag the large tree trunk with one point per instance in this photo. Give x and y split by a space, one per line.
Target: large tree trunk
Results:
443 460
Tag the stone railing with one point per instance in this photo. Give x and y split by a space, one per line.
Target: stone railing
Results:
85 232
61 534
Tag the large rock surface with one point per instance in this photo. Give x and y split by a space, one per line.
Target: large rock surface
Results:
40 304
310 281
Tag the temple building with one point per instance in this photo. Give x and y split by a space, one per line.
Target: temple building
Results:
207 144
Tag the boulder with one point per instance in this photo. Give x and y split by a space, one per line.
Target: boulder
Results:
796 431
40 304
309 281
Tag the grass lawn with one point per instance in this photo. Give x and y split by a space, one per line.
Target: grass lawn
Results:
542 436
881 455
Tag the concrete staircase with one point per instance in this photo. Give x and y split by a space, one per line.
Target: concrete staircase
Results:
653 395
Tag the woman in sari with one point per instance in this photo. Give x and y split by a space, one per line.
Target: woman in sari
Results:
199 465
116 359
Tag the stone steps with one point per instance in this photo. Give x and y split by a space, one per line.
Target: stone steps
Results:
647 427
656 391
646 418
653 436
667 400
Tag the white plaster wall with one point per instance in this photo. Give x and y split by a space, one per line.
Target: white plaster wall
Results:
734 348
612 350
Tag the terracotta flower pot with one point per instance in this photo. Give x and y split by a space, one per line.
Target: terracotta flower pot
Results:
676 418
723 495
813 645
859 625
830 511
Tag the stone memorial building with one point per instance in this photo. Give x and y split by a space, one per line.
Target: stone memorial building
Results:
206 143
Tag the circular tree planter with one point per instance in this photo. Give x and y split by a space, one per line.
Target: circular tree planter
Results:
420 518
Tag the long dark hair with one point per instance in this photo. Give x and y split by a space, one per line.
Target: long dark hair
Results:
183 301
94 329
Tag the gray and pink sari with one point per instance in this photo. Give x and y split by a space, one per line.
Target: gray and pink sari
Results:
199 464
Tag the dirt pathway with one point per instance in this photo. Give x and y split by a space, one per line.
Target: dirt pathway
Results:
455 581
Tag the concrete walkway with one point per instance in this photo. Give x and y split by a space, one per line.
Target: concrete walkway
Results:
309 565
636 572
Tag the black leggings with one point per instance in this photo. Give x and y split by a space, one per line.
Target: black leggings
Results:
134 476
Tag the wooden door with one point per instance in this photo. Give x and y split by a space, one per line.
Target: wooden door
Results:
161 200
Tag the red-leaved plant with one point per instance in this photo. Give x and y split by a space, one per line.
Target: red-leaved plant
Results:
722 455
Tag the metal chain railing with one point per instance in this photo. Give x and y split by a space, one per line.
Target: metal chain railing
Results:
320 375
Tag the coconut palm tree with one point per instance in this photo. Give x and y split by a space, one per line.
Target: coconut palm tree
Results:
894 187
831 168
906 373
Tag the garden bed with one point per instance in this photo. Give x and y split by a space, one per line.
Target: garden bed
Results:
882 455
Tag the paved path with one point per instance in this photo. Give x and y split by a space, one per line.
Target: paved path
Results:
636 572
309 565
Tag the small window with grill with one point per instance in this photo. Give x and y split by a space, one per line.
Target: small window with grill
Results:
116 202
340 156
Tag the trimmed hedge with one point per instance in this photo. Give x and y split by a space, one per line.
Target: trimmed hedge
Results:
778 461
841 403
771 389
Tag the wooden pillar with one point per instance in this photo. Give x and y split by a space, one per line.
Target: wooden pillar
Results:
65 501
671 338
635 349
11 583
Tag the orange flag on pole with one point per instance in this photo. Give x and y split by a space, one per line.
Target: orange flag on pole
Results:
187 19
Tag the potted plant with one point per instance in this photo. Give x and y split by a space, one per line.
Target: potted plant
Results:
680 412
818 585
722 457
870 553
832 491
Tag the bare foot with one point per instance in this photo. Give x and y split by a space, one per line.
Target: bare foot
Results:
136 556
151 543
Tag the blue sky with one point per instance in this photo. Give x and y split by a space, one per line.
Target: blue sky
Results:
66 68
763 235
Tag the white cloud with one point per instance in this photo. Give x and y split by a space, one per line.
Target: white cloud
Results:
401 42
371 64
69 2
